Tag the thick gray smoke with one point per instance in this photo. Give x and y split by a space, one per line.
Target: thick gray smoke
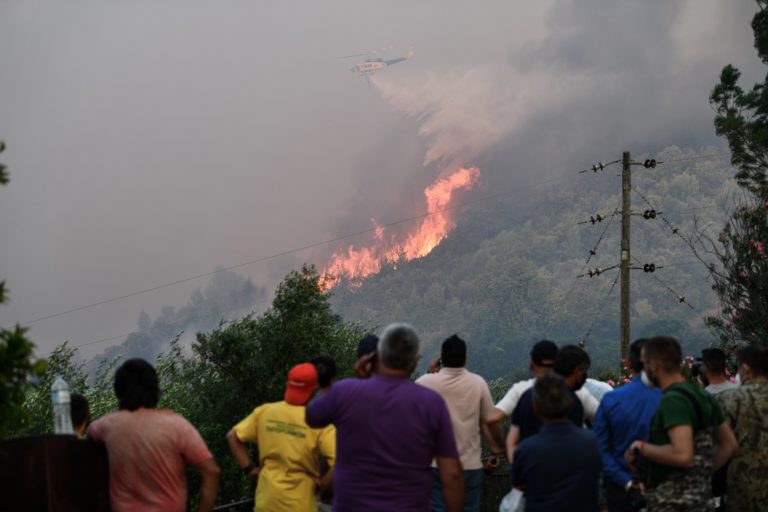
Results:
152 142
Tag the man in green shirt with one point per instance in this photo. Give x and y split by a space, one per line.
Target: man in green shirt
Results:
746 408
681 453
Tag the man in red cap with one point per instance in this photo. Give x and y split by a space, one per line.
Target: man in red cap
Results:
288 473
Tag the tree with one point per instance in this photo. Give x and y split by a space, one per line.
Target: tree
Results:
740 280
17 362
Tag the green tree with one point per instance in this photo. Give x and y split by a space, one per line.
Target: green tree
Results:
740 276
244 363
17 361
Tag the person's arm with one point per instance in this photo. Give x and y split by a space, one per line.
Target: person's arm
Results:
612 466
589 404
726 445
678 452
452 478
494 436
209 488
495 418
240 453
513 438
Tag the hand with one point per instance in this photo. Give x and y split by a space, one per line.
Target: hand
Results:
364 366
491 463
434 366
631 454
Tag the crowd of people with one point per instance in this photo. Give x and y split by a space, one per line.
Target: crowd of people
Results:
382 441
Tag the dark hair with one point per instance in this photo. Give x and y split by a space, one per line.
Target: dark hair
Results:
326 370
367 345
665 350
551 397
635 354
136 385
78 409
453 353
754 356
569 358
714 360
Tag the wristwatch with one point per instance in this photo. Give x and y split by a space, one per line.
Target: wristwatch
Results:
250 467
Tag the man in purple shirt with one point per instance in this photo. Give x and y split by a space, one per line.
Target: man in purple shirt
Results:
388 430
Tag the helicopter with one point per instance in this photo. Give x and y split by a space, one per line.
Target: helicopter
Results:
371 65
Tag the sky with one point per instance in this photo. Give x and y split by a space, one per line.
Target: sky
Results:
150 142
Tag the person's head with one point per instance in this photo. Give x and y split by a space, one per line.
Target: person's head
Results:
572 364
551 398
713 363
398 348
80 413
367 345
453 352
753 362
543 356
136 385
301 382
326 371
635 355
661 357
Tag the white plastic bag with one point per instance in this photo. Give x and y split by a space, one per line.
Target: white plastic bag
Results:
512 502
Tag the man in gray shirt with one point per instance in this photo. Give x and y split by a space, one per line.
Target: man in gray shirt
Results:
713 370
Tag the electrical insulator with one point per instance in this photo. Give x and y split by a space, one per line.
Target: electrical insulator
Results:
650 164
649 267
595 272
649 214
599 166
594 219
592 252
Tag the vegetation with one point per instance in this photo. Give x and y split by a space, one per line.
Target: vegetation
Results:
740 276
225 373
17 362
506 276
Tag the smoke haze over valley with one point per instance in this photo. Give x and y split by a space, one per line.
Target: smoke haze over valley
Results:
150 143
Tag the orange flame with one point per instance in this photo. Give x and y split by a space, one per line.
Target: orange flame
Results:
356 264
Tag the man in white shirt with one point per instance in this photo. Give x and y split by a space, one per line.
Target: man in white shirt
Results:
713 370
469 402
543 356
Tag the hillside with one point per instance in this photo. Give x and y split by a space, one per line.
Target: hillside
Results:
506 276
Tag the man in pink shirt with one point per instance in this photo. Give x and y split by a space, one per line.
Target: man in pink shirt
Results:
148 448
469 403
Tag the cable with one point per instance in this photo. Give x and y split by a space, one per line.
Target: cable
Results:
680 298
283 253
198 317
675 231
599 312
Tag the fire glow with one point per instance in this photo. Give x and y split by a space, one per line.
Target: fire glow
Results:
355 264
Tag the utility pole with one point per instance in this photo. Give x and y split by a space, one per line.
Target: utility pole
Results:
626 196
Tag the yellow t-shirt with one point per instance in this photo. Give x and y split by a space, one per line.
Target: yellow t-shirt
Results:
290 451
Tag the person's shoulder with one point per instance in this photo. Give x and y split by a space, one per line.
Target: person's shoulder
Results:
428 379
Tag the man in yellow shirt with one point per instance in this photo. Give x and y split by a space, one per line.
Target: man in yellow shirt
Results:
288 474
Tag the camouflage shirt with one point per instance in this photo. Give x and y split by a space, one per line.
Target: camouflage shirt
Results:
746 408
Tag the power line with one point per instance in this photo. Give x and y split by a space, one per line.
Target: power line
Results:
680 298
197 317
285 253
599 312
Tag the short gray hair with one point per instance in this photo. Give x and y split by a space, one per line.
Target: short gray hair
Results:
398 347
551 397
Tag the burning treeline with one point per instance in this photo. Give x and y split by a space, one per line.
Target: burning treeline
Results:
356 263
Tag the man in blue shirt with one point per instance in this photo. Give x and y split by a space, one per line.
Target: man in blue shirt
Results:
558 468
624 415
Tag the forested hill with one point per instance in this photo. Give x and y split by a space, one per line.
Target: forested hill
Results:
506 276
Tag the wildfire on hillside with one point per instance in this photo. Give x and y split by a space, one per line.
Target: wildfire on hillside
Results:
356 263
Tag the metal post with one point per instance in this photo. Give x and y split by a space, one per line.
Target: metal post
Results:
626 192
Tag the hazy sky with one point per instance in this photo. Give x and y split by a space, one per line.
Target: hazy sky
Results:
152 141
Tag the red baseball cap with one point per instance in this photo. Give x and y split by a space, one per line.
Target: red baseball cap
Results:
302 381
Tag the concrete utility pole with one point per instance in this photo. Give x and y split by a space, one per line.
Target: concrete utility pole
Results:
626 196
